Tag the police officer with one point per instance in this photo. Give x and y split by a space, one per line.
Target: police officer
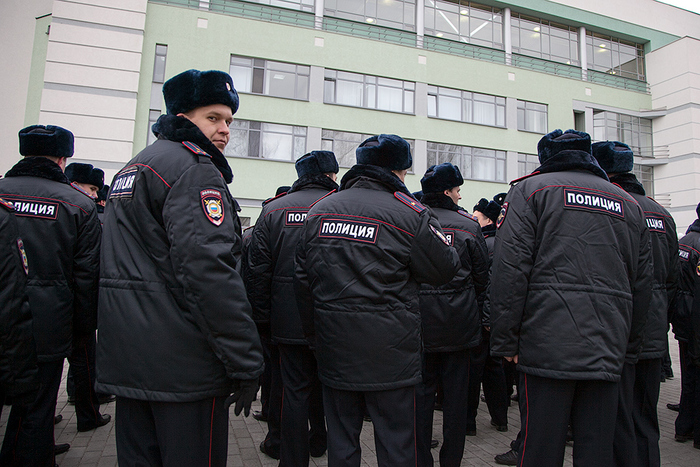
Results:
637 428
451 319
485 368
271 289
61 235
361 257
688 256
18 370
86 177
80 383
694 359
176 335
574 251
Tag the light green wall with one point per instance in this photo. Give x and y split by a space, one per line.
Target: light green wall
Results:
36 72
210 48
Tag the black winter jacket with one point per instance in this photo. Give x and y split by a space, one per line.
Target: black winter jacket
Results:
270 279
688 256
573 258
18 370
175 323
489 232
664 250
361 257
694 331
451 313
61 235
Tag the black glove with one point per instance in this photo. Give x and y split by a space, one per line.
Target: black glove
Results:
244 393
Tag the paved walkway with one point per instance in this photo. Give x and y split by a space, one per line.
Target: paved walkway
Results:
98 448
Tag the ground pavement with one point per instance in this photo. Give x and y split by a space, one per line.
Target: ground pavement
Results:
97 448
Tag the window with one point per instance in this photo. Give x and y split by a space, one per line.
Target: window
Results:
633 131
543 39
278 79
465 106
301 5
527 163
464 21
614 56
645 175
474 163
156 106
532 117
266 141
371 92
343 144
398 14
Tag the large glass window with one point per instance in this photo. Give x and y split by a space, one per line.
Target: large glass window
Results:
343 144
371 92
474 163
615 56
465 106
398 14
532 117
266 141
543 39
277 79
156 104
527 163
633 131
464 21
301 5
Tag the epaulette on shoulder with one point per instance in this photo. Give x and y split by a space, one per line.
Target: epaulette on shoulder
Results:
409 201
523 178
7 205
195 149
273 198
467 215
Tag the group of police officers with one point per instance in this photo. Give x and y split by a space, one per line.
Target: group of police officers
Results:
367 298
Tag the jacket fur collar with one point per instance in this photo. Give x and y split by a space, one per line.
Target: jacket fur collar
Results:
572 160
629 183
439 200
37 166
489 230
179 129
313 181
384 177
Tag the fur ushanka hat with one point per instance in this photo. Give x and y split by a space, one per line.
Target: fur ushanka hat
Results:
388 151
85 173
613 156
490 209
439 178
193 88
45 140
557 141
316 162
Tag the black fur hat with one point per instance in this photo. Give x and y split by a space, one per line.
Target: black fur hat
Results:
439 178
193 88
102 193
555 142
316 162
388 151
45 140
490 209
500 198
481 205
85 173
613 156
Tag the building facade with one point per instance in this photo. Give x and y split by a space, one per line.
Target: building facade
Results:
475 84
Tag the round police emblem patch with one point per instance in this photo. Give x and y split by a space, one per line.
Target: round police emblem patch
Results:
213 206
440 235
23 255
697 269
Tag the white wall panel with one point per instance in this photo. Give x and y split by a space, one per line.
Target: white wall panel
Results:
99 15
94 56
78 75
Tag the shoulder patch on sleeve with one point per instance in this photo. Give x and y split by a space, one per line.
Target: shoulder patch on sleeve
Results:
7 205
502 215
467 215
195 149
409 201
697 269
213 206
